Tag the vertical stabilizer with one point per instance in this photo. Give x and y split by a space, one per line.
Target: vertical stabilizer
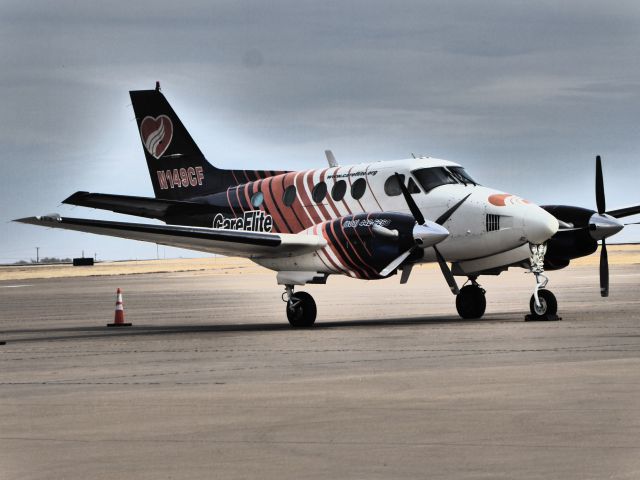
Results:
177 167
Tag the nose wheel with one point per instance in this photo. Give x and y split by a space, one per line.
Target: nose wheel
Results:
301 308
547 304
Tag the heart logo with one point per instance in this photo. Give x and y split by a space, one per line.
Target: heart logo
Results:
156 134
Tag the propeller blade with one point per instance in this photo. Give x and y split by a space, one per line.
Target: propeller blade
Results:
446 271
396 263
624 212
415 211
406 272
600 201
604 270
445 216
384 231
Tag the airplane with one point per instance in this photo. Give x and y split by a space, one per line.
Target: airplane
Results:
367 221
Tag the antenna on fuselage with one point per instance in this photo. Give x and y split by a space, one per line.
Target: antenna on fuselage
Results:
330 158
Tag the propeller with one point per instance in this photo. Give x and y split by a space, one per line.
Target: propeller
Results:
601 205
426 234
599 225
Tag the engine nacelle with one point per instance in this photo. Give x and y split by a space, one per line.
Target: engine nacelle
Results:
357 246
575 241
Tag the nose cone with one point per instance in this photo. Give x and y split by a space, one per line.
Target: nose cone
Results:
539 225
603 226
429 234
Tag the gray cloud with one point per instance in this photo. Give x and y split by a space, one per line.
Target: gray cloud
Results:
523 93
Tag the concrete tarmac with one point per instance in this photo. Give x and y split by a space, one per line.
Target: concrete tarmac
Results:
210 382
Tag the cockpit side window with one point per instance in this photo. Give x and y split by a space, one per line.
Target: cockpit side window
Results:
412 187
430 178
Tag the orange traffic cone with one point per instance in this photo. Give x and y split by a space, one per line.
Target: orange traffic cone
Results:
119 318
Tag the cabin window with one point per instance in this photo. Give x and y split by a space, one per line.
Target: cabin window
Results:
289 195
358 188
257 199
319 192
338 190
392 186
430 178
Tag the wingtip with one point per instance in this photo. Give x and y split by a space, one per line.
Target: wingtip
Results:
25 220
39 219
75 197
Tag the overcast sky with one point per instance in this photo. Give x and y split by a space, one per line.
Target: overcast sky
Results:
524 94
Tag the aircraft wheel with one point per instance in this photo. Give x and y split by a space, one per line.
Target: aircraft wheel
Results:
471 302
301 310
548 304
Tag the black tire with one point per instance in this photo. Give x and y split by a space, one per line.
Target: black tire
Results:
471 302
304 313
548 302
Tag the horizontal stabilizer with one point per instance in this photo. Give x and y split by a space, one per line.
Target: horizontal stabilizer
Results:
143 206
239 243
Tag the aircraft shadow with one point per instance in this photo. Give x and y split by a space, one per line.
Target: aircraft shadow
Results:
82 333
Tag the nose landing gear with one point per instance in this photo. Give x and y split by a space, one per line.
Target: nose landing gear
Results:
543 304
301 308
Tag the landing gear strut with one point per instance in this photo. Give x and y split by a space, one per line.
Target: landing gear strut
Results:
543 304
301 308
471 302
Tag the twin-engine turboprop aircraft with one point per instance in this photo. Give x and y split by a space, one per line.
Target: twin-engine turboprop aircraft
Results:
367 221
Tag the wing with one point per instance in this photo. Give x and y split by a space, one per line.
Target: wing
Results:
237 243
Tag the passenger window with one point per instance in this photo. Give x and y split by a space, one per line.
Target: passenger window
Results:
257 199
319 192
289 195
358 188
392 187
338 190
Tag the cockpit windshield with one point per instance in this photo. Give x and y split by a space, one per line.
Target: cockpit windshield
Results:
430 178
462 175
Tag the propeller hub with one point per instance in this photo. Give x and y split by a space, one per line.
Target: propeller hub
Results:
429 234
602 226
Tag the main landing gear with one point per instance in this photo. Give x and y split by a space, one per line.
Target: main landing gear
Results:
543 303
471 302
301 308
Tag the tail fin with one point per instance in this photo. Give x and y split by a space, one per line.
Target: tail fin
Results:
177 167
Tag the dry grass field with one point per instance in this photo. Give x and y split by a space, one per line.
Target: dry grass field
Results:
618 255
